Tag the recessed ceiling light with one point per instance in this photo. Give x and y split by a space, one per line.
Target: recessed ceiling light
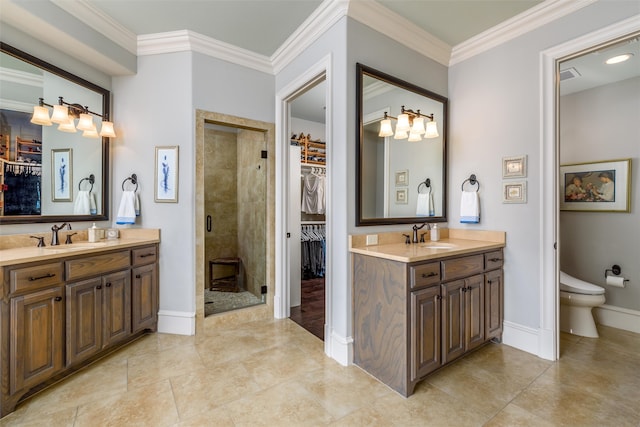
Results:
618 58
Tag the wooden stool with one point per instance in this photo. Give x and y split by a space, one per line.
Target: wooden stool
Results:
223 274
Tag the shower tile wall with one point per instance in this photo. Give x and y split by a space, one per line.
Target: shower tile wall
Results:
252 190
220 182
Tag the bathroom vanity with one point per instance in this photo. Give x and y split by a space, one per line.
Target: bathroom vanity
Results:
420 306
65 306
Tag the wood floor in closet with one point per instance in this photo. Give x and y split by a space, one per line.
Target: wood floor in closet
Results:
310 313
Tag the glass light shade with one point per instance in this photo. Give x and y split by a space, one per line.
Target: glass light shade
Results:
400 134
403 123
418 126
86 122
107 130
90 133
385 128
414 136
432 130
40 116
60 114
69 126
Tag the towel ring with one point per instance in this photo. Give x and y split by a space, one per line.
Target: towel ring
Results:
426 183
91 179
471 180
134 180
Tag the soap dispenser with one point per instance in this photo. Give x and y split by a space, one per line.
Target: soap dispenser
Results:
435 233
92 233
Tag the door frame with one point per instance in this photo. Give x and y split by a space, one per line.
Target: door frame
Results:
549 338
321 71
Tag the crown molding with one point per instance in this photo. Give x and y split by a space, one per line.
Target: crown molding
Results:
10 104
400 29
21 77
99 21
527 21
316 24
184 40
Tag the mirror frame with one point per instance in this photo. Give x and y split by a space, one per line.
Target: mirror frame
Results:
361 71
106 95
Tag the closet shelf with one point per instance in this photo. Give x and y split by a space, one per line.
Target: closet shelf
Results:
313 152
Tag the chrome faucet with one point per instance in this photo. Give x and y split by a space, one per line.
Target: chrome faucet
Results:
54 233
415 231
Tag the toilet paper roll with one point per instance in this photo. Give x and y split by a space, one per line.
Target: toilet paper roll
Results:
617 281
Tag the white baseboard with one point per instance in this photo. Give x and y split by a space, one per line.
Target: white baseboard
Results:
338 347
177 322
618 317
521 337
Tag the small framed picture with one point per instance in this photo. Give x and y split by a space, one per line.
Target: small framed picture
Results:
514 192
514 167
402 178
402 196
166 177
62 175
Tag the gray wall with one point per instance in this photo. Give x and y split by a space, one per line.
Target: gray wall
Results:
495 112
598 125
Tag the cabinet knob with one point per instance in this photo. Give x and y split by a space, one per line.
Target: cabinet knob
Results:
57 299
137 276
489 281
108 284
464 289
99 287
495 259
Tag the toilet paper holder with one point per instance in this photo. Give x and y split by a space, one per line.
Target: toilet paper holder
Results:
615 269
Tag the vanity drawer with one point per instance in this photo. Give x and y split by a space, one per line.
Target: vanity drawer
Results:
35 277
146 255
95 265
462 267
424 274
493 260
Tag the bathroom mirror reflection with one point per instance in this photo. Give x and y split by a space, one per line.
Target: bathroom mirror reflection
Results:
28 169
235 189
400 179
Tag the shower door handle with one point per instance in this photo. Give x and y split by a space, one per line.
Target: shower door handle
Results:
208 223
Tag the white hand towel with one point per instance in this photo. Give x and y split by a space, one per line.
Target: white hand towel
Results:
470 207
127 210
82 205
432 209
93 210
137 205
423 204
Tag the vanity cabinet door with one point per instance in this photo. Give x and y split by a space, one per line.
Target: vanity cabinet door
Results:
144 297
116 307
474 311
36 350
493 289
453 330
84 319
425 331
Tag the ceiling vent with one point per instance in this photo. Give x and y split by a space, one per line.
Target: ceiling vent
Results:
569 73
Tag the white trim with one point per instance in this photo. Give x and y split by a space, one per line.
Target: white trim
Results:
338 347
177 322
400 29
100 21
10 104
521 337
21 77
527 21
549 169
618 317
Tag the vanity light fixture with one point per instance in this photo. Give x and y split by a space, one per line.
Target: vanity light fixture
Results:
410 125
64 115
618 58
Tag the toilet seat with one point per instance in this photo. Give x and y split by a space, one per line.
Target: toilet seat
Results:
571 284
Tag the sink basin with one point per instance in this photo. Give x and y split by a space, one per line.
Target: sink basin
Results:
76 246
438 245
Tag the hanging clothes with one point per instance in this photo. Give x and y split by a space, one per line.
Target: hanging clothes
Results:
313 251
313 192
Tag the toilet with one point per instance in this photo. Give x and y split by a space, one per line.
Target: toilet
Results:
577 298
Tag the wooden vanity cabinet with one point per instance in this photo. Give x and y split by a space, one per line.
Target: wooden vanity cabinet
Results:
411 319
55 317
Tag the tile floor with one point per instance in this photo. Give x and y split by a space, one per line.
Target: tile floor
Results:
275 373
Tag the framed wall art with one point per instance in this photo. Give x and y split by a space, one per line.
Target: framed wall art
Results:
402 178
596 187
514 167
166 175
514 192
62 175
402 196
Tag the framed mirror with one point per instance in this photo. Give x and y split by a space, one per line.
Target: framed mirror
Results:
401 165
48 175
